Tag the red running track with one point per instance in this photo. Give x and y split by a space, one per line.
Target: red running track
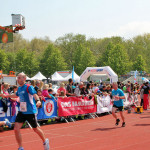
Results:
92 134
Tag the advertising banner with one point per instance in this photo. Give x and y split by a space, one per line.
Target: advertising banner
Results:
48 110
5 36
68 106
8 114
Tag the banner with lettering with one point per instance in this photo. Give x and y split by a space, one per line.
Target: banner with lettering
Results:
48 110
68 106
8 113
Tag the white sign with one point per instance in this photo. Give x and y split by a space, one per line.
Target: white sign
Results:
49 107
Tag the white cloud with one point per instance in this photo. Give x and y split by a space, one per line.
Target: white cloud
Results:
132 29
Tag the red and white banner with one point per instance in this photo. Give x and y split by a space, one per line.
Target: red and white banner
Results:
69 106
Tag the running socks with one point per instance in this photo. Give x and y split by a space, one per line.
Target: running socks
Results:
123 124
117 122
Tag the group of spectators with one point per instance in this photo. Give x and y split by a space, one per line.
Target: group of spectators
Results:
6 89
78 89
136 89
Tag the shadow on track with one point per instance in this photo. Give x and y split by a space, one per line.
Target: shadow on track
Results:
106 129
142 125
145 117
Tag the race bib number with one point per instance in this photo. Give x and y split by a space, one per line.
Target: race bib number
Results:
23 106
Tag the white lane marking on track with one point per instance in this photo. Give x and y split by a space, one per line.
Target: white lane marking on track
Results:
131 145
68 135
75 143
95 122
28 141
59 128
98 140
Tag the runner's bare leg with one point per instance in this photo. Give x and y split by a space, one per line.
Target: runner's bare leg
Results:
122 116
17 133
113 113
40 133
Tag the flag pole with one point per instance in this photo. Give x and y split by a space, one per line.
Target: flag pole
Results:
73 73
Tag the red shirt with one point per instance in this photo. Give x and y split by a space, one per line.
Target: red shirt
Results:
61 89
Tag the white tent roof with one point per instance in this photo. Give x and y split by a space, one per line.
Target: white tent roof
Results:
99 70
27 78
57 77
38 76
76 77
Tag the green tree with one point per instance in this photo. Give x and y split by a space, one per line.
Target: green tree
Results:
105 57
116 57
87 59
51 61
26 62
21 60
32 64
139 64
11 58
4 63
38 45
83 57
68 45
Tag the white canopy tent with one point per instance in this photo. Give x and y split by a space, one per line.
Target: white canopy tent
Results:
27 78
39 76
57 77
145 79
99 70
76 77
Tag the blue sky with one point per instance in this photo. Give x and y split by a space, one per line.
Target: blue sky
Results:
93 18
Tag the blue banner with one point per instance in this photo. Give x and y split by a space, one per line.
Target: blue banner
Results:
8 115
48 110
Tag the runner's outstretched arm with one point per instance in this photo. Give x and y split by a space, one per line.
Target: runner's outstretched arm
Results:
10 96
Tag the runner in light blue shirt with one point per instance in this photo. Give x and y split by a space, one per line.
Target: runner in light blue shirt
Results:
27 96
118 97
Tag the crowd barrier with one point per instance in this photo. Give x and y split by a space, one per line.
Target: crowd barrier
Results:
104 104
130 100
67 106
48 110
8 114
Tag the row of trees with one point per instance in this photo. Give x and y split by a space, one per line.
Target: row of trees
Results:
75 50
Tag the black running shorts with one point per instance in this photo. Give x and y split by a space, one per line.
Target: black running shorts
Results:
31 118
119 108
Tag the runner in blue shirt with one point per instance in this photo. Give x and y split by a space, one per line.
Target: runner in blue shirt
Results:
29 100
118 97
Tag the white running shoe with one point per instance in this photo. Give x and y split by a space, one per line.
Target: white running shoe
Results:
46 144
8 123
20 148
